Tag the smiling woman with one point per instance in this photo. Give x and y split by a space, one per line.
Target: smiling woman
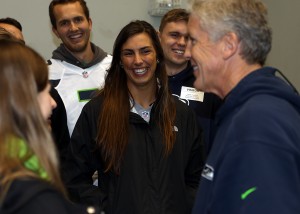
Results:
139 62
142 141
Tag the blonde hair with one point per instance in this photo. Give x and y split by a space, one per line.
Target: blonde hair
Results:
23 74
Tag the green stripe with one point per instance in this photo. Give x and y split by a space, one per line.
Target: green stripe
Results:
247 192
86 94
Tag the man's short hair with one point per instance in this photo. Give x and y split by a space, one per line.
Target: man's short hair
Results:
11 21
174 15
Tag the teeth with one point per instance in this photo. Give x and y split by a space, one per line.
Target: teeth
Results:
140 71
179 52
75 36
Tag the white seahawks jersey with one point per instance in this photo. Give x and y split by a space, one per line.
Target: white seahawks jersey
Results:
77 84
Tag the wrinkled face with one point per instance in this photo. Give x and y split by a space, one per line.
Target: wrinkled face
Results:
73 28
46 102
205 55
173 40
138 57
13 30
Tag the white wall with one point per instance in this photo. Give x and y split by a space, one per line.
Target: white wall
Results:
109 16
284 18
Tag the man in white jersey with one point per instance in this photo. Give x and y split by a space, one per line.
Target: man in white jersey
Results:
77 67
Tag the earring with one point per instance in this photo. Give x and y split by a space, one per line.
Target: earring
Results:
157 61
121 64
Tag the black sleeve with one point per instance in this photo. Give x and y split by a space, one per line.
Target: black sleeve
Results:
35 196
59 126
49 202
83 161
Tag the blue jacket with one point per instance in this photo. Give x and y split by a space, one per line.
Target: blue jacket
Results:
205 110
254 164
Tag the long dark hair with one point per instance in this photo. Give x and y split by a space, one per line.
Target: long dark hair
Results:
113 130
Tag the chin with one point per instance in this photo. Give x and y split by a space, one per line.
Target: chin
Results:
199 86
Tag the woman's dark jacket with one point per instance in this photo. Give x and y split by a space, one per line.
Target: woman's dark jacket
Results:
148 181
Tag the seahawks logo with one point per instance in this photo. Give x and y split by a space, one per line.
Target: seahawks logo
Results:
208 172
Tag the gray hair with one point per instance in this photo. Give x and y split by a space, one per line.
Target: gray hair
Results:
246 18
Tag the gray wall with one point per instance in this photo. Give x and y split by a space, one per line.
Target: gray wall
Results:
109 16
284 18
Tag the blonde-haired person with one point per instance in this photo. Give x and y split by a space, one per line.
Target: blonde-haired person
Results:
29 181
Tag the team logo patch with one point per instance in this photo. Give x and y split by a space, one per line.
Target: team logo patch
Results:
208 172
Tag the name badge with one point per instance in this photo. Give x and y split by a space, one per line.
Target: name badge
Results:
191 94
